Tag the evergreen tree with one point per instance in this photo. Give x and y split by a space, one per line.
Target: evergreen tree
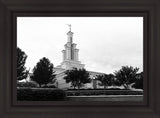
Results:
77 77
43 72
22 73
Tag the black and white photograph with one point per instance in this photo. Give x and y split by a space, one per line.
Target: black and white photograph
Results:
80 59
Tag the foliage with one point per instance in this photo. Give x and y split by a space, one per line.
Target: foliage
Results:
102 92
105 80
139 81
96 89
77 77
125 76
49 86
43 72
22 73
26 84
40 94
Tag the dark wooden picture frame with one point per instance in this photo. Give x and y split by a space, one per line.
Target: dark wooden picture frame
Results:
11 108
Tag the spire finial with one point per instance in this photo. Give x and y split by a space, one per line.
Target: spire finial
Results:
69 25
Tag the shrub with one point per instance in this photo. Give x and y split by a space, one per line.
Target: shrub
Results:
49 86
103 92
40 94
26 84
138 84
97 89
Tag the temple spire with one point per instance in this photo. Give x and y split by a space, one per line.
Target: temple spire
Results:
70 53
69 25
70 34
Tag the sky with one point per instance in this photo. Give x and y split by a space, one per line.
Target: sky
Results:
105 43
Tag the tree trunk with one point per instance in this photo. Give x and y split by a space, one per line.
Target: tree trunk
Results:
126 86
78 87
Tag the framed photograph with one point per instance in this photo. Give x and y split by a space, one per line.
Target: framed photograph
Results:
113 71
79 59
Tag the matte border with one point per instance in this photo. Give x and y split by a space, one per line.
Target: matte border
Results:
10 108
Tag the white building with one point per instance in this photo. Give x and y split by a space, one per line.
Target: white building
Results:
70 61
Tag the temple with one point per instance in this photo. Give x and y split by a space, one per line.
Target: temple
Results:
71 60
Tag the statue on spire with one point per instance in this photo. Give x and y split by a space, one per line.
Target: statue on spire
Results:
69 26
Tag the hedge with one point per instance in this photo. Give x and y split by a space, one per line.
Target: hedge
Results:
97 89
40 94
26 84
102 92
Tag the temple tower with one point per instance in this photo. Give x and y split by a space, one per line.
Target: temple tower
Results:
70 53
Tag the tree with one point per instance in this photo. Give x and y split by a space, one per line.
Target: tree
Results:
106 80
43 72
126 75
22 73
77 77
139 81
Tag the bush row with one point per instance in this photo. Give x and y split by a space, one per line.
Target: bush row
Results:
33 84
29 94
103 92
26 84
98 89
